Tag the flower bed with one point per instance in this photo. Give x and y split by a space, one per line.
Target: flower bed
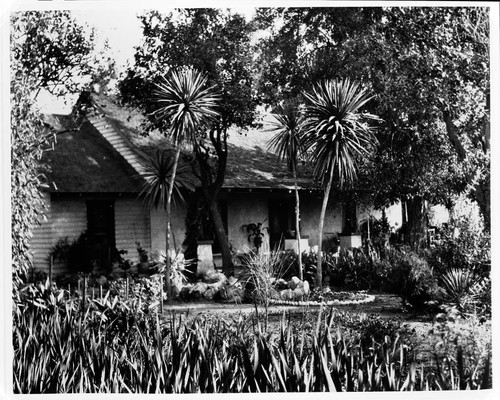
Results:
329 299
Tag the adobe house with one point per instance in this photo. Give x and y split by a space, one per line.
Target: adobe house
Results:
94 175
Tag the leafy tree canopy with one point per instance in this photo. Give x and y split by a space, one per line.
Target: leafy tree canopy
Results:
429 71
48 50
214 41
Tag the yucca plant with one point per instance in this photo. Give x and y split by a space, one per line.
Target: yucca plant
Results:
286 143
458 284
186 105
336 134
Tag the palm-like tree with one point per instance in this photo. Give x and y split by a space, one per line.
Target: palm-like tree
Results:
287 145
157 174
336 135
186 105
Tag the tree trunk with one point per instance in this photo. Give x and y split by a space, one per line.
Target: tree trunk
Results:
482 197
326 195
168 261
297 221
221 234
417 221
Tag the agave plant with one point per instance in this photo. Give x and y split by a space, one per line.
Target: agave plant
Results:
458 284
336 134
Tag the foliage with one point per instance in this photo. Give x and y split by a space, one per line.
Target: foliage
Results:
185 104
79 254
410 277
216 42
465 341
335 130
429 71
113 346
261 270
309 262
458 284
335 136
49 51
255 233
357 269
469 250
286 143
380 232
145 288
157 175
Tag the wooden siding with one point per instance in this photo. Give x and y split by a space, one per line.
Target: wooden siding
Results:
67 217
131 226
64 218
116 139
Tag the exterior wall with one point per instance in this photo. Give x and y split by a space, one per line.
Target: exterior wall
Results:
131 226
158 223
310 209
67 217
243 209
252 207
64 218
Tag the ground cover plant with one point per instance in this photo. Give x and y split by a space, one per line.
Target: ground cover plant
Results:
119 346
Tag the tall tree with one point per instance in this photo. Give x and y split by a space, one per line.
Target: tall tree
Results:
288 146
335 134
429 70
218 43
49 51
186 105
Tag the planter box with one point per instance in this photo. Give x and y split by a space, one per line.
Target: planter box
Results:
291 244
350 241
205 257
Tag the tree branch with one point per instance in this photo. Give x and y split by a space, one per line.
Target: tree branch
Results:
452 135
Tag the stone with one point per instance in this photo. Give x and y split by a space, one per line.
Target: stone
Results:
213 277
297 293
280 284
286 294
306 288
209 294
232 280
292 284
199 289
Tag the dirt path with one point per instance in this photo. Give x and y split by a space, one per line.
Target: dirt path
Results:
385 305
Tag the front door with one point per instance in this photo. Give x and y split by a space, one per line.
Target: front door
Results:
281 216
101 231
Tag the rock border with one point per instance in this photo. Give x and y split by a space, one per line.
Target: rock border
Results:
369 299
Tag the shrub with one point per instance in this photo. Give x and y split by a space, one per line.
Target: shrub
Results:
358 270
112 346
411 278
261 270
457 284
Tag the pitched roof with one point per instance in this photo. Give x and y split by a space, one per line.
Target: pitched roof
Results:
83 161
105 155
250 164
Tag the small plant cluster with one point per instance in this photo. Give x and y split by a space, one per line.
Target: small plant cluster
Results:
112 346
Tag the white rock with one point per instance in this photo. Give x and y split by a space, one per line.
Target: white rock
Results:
292 284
